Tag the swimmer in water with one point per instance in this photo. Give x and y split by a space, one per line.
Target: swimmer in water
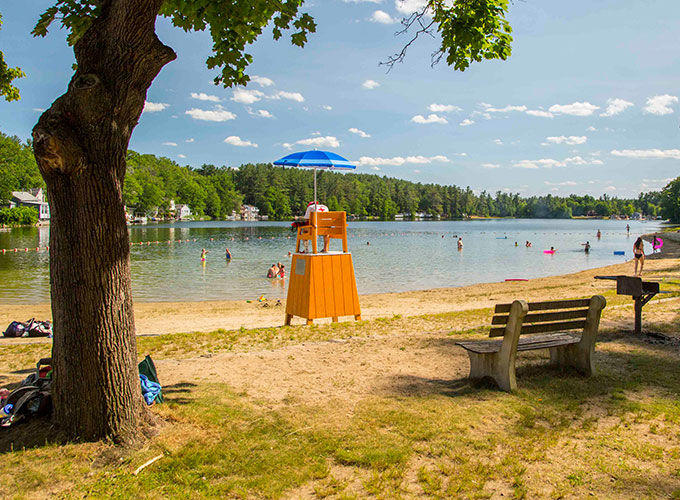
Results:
586 246
204 252
227 254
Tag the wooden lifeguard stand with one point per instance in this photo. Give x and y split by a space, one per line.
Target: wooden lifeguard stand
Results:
322 285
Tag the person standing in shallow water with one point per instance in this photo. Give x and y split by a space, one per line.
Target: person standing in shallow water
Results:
460 244
204 253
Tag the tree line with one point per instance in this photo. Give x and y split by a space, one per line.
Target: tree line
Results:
281 193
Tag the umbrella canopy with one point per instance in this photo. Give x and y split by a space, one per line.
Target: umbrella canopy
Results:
316 159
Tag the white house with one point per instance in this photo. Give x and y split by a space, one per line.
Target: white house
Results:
182 211
250 212
32 198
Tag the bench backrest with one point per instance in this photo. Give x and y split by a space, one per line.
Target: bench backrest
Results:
551 316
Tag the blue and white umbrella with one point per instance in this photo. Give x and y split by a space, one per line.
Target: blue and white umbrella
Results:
316 159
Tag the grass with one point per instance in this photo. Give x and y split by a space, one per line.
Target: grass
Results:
615 435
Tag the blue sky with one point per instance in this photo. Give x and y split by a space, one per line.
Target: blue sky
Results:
588 102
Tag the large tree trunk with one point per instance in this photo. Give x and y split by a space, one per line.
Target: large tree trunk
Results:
80 144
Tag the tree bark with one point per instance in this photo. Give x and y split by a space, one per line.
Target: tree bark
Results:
80 145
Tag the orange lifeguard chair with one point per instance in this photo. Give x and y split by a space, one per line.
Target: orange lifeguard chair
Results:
322 285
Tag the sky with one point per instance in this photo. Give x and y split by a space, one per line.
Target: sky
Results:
588 103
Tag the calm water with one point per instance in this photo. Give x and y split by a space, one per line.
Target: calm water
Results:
402 256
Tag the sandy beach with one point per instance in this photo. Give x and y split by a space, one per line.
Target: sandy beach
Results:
154 318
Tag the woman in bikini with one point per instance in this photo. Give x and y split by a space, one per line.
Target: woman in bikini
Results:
639 253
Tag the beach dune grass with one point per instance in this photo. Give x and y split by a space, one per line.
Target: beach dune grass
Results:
615 435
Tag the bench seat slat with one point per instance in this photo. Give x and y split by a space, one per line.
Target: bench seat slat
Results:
544 317
542 328
525 344
543 306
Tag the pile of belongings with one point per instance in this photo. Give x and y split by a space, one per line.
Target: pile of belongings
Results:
32 398
148 379
30 328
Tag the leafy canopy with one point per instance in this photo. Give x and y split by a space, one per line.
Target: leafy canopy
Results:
232 26
7 75
470 30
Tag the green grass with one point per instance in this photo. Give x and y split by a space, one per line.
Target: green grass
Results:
560 435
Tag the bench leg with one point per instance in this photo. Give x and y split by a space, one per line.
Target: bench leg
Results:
492 365
577 356
288 318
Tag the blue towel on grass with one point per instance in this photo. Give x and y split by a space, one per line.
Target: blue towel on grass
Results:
150 390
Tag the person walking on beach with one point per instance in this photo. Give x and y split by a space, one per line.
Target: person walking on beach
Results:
460 244
639 254
655 245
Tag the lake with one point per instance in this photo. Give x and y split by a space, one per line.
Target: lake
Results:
402 256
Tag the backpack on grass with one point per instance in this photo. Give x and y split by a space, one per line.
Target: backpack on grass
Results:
30 328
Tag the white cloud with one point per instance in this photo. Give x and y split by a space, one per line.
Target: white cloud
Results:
363 1
490 109
490 165
466 123
370 84
597 162
591 129
443 108
616 106
262 113
610 188
215 115
409 6
399 160
382 17
540 113
190 140
245 96
565 183
181 156
154 107
174 144
648 154
571 140
235 140
262 81
574 109
432 118
41 110
660 104
291 96
550 162
360 133
325 142
205 97
498 142
327 107
375 168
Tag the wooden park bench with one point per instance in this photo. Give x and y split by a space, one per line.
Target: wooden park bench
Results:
331 224
552 320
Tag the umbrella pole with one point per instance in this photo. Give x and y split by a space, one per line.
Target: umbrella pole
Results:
316 202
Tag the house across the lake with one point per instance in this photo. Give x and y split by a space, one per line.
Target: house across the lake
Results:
34 198
250 212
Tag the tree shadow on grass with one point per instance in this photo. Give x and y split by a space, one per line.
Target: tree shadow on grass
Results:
172 393
34 433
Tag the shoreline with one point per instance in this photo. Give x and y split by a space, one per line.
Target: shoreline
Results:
155 318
